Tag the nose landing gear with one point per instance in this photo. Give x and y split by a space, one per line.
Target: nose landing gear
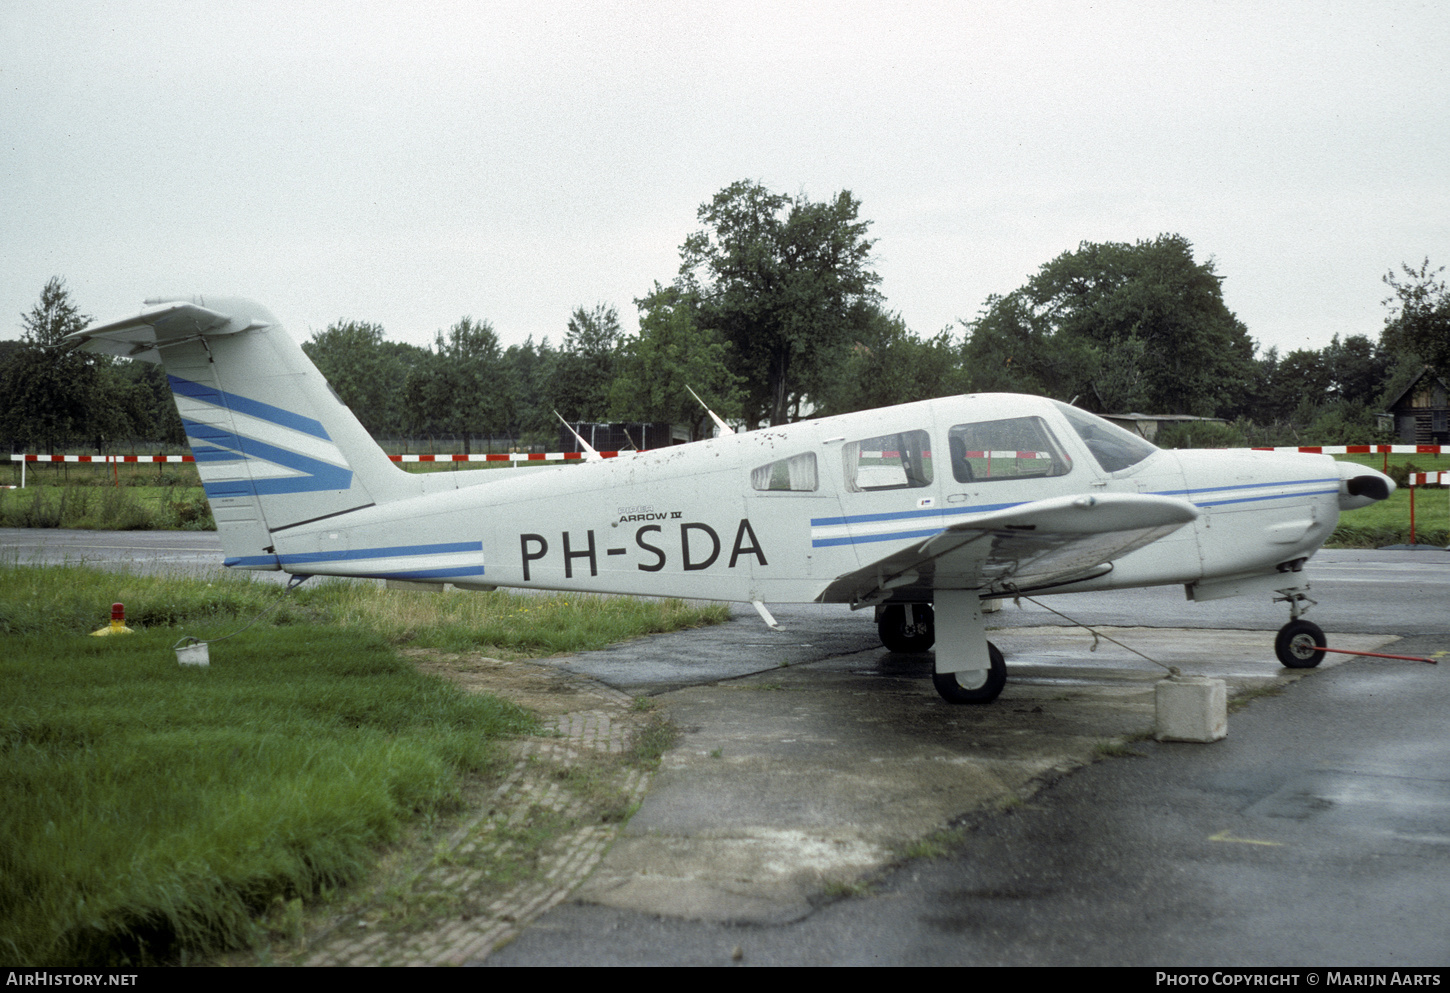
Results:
1299 642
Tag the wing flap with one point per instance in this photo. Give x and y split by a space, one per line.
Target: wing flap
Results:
1045 542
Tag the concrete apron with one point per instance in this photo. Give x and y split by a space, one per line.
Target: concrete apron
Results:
797 783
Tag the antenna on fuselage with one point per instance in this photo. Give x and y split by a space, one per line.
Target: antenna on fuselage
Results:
590 455
724 428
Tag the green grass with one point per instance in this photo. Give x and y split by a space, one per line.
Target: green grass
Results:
1115 749
151 810
657 737
940 842
846 889
159 813
1388 522
74 599
138 496
107 508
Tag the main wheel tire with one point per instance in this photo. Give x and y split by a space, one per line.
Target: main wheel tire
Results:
951 688
898 635
1296 645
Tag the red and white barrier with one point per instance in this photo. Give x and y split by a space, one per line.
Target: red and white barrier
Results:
1360 449
106 459
516 458
510 457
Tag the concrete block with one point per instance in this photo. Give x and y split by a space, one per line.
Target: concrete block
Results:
1191 708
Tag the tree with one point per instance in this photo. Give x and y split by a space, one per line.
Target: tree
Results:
1417 327
1345 422
49 393
531 371
52 396
463 387
1302 376
1121 323
365 370
778 278
421 398
1014 347
585 366
887 364
1356 367
671 355
53 317
153 411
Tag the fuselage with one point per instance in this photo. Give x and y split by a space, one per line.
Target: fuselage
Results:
776 514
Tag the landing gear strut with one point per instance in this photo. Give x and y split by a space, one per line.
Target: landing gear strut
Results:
968 668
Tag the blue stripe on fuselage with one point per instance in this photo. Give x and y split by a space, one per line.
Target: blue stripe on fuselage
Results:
395 551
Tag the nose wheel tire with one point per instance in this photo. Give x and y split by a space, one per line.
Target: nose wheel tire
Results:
952 690
1296 645
899 633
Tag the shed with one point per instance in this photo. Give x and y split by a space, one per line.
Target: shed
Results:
1147 425
618 436
1422 410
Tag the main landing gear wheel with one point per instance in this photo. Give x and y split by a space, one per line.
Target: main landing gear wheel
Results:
952 689
899 633
1296 644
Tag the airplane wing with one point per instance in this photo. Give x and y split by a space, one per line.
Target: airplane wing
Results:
137 337
1032 545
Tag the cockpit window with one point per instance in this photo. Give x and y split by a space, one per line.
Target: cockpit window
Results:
889 462
1014 448
1113 447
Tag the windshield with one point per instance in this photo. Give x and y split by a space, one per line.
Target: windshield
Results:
1113 447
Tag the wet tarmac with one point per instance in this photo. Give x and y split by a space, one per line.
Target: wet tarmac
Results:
1316 834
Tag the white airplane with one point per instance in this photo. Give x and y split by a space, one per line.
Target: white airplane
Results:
918 511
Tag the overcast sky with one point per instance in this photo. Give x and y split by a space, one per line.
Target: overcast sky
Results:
410 163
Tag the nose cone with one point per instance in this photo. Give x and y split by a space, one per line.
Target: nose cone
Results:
1360 487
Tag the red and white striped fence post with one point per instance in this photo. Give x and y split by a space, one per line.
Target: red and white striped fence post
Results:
1422 479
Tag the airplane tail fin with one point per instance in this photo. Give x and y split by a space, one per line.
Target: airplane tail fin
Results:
274 445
